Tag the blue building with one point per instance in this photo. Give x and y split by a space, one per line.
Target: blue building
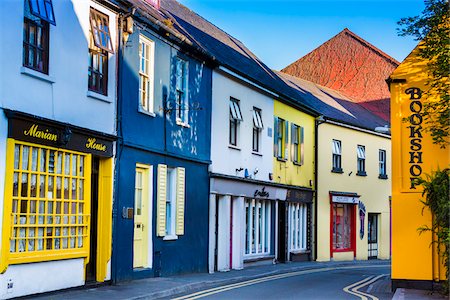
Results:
160 210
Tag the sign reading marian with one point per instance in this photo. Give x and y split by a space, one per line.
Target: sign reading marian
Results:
40 134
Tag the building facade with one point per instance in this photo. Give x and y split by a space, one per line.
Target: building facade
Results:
57 163
413 149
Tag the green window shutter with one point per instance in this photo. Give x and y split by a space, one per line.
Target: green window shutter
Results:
302 145
161 201
275 137
292 141
286 140
181 184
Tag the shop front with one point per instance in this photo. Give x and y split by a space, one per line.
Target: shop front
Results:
243 222
57 206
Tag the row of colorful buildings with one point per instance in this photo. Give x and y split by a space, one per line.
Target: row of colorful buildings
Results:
139 140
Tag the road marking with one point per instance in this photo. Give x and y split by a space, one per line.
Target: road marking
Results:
228 287
354 287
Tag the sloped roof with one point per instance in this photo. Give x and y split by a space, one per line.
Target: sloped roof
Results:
352 66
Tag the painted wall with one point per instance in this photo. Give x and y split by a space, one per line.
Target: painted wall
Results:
407 214
225 158
61 95
374 192
286 172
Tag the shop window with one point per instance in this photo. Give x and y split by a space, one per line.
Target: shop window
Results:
50 204
337 157
235 119
361 161
36 30
382 164
100 44
146 74
281 138
258 223
171 201
181 97
342 226
257 129
297 224
298 147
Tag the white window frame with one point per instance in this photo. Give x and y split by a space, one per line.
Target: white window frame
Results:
147 71
235 119
257 236
337 155
361 159
298 227
171 201
257 129
382 162
181 105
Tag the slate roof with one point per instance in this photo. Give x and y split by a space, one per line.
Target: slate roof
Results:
351 65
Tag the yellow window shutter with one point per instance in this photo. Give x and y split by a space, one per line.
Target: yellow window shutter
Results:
161 201
181 179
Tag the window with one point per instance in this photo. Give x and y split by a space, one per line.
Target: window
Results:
342 226
171 199
182 105
361 161
38 15
337 152
257 129
50 204
146 60
297 226
297 141
281 139
257 234
235 118
382 164
100 44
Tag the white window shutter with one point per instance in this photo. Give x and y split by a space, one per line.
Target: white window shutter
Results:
181 187
161 201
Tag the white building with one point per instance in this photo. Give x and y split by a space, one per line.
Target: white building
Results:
57 128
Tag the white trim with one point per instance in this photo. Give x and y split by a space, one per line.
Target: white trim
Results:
171 237
98 96
150 66
357 128
37 75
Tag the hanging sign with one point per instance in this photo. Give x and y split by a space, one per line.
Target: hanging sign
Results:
344 199
362 215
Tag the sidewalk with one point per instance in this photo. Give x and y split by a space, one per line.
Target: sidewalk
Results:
410 294
154 288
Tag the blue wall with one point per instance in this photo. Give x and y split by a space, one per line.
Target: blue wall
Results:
154 140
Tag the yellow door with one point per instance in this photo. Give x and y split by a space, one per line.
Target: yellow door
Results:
141 201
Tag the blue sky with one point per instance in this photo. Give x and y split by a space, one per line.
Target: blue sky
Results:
280 32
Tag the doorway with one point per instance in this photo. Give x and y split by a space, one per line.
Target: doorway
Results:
91 266
372 238
282 232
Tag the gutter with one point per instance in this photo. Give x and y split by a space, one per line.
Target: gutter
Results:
345 125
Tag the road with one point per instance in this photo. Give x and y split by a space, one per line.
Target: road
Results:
369 283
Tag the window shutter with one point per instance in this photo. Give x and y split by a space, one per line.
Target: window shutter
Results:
181 179
161 201
286 140
302 145
292 141
275 137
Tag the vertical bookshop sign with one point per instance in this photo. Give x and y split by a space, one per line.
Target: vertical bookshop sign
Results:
415 135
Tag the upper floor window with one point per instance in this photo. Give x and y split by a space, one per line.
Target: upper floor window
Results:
100 44
257 129
146 74
36 31
181 97
361 153
382 164
281 139
337 156
297 141
235 118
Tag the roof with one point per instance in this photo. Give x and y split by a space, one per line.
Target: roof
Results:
349 64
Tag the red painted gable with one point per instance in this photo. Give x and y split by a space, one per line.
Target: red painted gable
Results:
352 66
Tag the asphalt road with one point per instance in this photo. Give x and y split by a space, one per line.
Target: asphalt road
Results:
373 282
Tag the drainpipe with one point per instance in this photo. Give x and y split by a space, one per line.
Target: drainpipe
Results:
319 120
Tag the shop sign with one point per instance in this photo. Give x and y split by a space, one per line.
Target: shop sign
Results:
299 196
261 193
344 199
415 135
59 136
362 215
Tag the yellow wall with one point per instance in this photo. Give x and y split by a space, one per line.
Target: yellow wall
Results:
286 172
374 192
411 253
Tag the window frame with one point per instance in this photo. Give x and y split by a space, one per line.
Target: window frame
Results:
280 135
351 215
382 164
146 105
262 210
181 95
361 160
297 227
257 130
49 15
97 32
235 116
171 200
336 157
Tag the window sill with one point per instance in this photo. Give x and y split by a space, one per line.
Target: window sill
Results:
37 75
297 164
234 147
182 124
257 257
257 153
172 237
359 173
299 251
98 96
382 176
145 112
281 159
337 170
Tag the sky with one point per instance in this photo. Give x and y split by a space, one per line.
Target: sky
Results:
280 32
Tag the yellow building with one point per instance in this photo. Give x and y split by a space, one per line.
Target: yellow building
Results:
414 260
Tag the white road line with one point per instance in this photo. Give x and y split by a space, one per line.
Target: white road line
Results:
220 289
